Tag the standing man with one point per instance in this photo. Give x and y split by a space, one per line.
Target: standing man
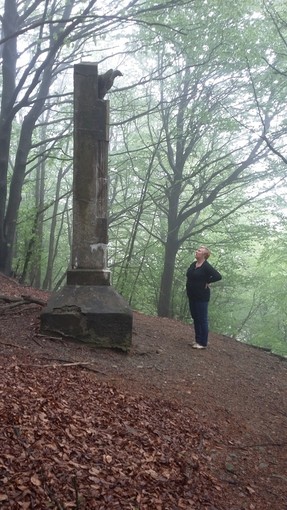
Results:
199 275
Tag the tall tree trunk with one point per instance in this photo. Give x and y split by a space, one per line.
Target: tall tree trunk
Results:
16 185
47 283
170 252
176 161
30 250
40 190
9 60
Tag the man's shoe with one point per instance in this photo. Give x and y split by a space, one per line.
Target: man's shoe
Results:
198 346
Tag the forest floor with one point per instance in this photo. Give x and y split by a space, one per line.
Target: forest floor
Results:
165 427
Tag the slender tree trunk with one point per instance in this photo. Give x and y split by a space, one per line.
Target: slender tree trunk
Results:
122 279
140 266
40 190
47 283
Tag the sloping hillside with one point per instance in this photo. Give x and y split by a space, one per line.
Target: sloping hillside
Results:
165 427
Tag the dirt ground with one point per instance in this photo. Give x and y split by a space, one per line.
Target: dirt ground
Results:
165 427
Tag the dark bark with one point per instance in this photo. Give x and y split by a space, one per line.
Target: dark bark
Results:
30 249
9 59
24 147
170 252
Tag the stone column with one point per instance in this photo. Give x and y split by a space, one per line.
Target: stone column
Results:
90 188
88 308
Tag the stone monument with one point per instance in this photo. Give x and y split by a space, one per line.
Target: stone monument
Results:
88 309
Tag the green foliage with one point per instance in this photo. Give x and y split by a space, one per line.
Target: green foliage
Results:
251 305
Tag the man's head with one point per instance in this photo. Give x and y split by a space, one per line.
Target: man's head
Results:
203 251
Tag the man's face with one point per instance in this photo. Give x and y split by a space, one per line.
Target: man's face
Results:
200 252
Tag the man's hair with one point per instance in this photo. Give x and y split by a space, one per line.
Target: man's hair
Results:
207 252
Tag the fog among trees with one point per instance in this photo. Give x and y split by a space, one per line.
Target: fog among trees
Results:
197 150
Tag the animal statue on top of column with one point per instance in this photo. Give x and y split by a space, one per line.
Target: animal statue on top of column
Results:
106 81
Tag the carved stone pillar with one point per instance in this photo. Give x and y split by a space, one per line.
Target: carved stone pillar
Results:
88 309
90 189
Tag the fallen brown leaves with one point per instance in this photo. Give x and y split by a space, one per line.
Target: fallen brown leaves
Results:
68 441
163 428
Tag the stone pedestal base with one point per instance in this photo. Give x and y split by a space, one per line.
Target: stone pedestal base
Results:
93 314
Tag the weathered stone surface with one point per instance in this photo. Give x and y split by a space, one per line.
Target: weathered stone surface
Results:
88 277
88 309
90 185
97 315
90 205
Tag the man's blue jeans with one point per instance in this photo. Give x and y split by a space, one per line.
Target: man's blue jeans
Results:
199 313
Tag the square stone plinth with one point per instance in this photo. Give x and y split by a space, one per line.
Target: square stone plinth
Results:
92 314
